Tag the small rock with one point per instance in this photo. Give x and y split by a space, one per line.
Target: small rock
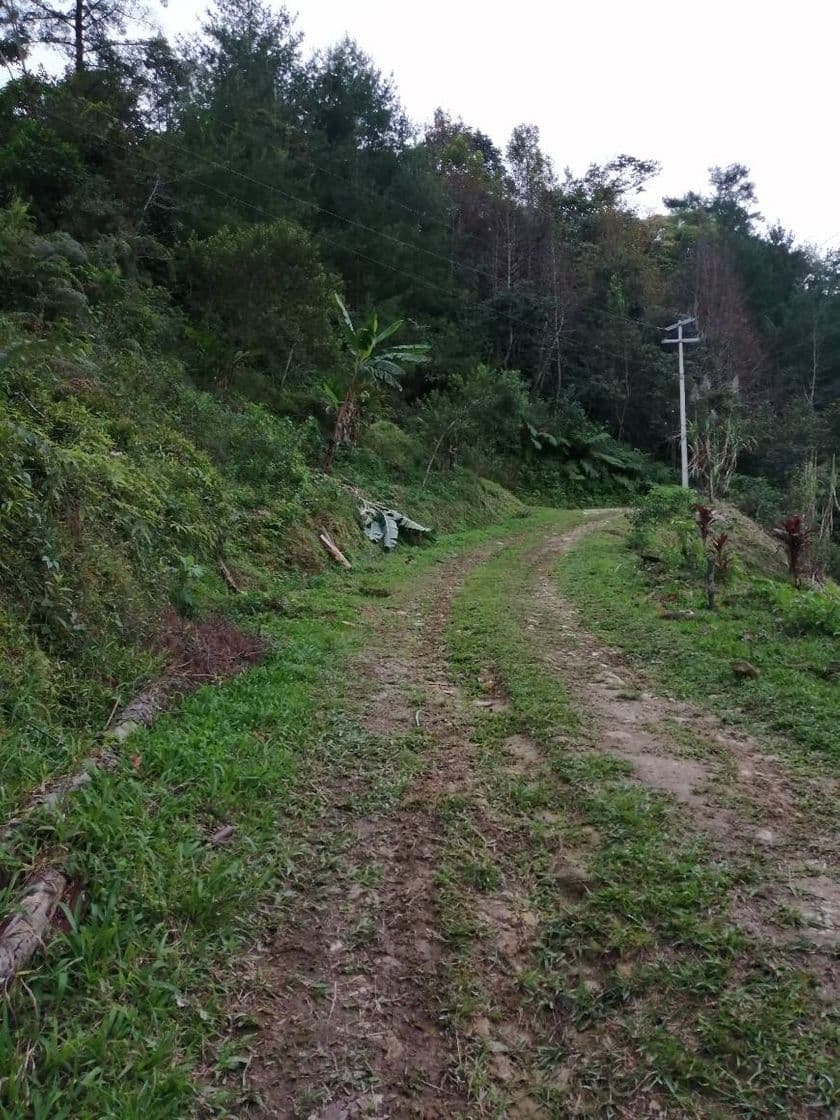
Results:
745 670
765 836
503 1068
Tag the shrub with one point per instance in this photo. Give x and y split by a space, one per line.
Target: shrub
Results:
398 450
660 505
664 524
258 296
479 416
796 537
757 498
813 609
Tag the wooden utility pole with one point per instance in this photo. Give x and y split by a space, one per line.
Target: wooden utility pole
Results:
681 341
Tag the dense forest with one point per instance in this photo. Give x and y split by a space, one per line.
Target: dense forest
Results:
534 817
178 219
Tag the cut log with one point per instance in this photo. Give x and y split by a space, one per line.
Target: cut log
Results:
25 931
141 712
334 551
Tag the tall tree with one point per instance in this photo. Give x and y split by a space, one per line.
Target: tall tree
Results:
77 28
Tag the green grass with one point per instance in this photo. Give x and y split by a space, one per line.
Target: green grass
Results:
692 659
130 1002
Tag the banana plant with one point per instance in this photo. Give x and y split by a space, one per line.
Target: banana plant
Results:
371 363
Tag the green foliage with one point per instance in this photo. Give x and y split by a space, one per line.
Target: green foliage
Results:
758 498
477 417
258 297
663 524
373 364
400 453
80 480
662 504
372 361
39 275
805 610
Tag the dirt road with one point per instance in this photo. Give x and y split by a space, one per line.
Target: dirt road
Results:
446 953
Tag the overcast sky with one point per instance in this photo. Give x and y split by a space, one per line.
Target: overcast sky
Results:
714 82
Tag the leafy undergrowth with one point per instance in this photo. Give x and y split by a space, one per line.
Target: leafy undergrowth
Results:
123 486
129 1002
639 997
796 690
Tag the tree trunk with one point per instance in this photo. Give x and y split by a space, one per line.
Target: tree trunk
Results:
343 425
79 35
711 589
26 930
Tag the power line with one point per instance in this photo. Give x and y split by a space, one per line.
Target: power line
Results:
482 308
449 261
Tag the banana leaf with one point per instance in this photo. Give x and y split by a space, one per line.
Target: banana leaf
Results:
382 526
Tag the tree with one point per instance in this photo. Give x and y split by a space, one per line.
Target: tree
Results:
371 364
484 410
77 28
257 296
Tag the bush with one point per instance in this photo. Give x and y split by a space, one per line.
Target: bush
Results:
399 451
757 498
38 275
812 609
662 505
663 525
477 418
258 296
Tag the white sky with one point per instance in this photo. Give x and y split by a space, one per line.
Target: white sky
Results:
713 82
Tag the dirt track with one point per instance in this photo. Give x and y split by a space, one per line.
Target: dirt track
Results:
350 994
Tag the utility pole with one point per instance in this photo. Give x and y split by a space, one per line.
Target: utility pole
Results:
681 341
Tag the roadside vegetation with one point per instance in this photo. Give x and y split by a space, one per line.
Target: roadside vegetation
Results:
767 657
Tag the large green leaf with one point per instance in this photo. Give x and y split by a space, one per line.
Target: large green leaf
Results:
388 331
345 314
387 372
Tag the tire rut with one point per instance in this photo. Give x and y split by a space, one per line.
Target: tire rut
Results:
350 1009
732 789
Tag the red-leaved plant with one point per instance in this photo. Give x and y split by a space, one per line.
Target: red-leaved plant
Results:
705 517
721 554
795 536
718 560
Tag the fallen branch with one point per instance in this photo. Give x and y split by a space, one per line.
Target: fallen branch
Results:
24 934
228 578
139 713
334 551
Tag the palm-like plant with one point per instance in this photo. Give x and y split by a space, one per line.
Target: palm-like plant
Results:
371 363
